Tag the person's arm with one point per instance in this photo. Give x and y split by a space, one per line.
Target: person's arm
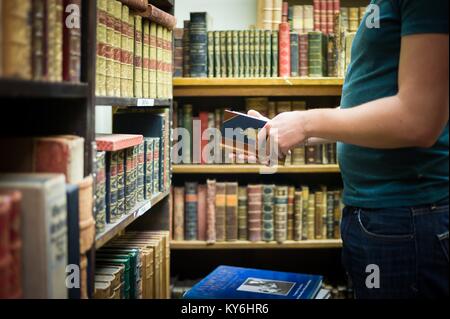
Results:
414 117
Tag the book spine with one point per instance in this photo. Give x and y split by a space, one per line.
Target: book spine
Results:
129 183
100 191
323 16
135 173
139 5
268 15
290 213
281 207
5 256
277 14
241 36
254 195
191 204
187 124
337 215
111 187
274 64
178 219
58 44
313 155
211 211
257 60
124 54
298 216
38 40
252 64
160 62
160 17
217 55
303 55
201 213
330 215
353 19
211 54
247 68
311 219
220 212
178 35
229 50
186 50
141 173
130 57
157 165
315 56
223 54
235 54
242 213
231 220
305 213
117 39
268 213
102 45
149 148
267 53
318 218
294 54
198 45
308 15
298 156
138 85
146 59
317 14
153 60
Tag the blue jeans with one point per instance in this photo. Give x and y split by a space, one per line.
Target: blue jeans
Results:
397 252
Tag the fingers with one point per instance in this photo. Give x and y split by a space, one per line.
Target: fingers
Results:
257 114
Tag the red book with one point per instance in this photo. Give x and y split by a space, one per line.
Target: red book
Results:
139 5
71 42
317 7
160 17
203 116
5 256
285 50
323 16
303 54
201 213
117 142
330 16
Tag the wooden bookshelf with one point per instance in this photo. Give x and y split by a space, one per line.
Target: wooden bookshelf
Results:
307 244
210 87
132 102
112 230
253 169
11 88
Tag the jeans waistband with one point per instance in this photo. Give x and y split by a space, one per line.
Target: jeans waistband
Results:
414 209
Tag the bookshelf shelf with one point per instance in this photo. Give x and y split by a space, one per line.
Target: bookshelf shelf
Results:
140 209
11 88
132 102
253 169
207 87
307 244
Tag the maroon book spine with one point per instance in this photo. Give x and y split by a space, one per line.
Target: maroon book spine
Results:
201 213
160 17
316 11
285 50
138 5
303 54
72 42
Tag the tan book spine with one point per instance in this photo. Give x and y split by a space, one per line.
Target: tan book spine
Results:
290 213
110 48
146 59
231 211
117 41
153 60
311 234
211 211
100 87
178 221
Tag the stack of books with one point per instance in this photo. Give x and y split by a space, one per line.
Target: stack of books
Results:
134 50
40 40
135 265
228 211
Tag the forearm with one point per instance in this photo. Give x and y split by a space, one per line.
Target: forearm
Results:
384 123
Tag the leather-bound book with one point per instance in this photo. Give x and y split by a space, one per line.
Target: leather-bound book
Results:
281 210
178 35
16 29
267 53
87 223
223 54
100 191
73 233
229 53
43 214
100 76
198 44
39 63
71 44
298 215
254 195
140 181
337 214
313 154
311 219
138 85
220 212
242 213
217 55
201 213
330 215
121 167
268 213
117 47
160 17
294 38
257 56
186 49
231 220
303 55
153 61
319 213
305 212
290 213
190 216
146 58
275 55
5 253
211 211
149 173
138 5
178 213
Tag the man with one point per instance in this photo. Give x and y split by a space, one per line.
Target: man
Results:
392 129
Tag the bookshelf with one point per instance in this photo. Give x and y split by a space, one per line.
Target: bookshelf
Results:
12 88
112 230
132 102
307 244
253 169
210 87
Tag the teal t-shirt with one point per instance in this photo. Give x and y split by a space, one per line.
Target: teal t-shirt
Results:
375 178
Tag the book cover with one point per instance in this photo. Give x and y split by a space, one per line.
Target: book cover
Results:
211 211
198 44
191 207
231 218
294 38
239 283
220 212
298 215
242 213
254 195
201 213
73 233
100 192
280 216
268 193
71 46
178 219
160 17
290 213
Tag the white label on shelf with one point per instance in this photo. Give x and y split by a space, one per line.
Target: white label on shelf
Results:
141 211
146 102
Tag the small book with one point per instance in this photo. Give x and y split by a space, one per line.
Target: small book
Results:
240 283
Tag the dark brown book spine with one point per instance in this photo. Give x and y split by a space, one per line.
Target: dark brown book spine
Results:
220 212
72 41
39 40
231 222
211 211
201 213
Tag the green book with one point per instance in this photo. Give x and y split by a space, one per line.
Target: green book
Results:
217 55
210 54
229 54
223 54
268 53
262 53
275 54
257 53
122 261
268 193
252 54
315 54
187 124
235 43
242 213
241 54
280 215
247 72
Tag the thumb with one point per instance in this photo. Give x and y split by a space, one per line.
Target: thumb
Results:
257 115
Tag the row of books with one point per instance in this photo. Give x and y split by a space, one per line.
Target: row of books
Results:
131 166
40 40
319 16
219 212
183 117
134 51
46 217
135 265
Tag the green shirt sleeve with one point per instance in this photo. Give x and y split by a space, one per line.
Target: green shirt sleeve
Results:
423 16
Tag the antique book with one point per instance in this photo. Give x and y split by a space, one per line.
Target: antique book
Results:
330 215
259 104
39 63
257 59
298 156
99 191
178 35
313 154
290 213
140 188
277 14
311 218
211 211
198 44
319 212
116 142
308 16
146 58
247 71
203 118
178 219
315 54
5 250
267 53
191 207
298 19
305 213
223 54
43 215
252 52
138 85
210 54
275 59
294 38
16 29
127 65
317 14
85 205
186 49
153 62
102 48
220 212
268 15
229 53
71 44
187 124
235 54
231 219
201 213
337 214
303 55
332 56
109 49
160 17
149 167
241 35
298 215
255 206
121 175
280 215
217 54
73 233
139 5
268 193
242 213
353 19
323 16
62 154
160 62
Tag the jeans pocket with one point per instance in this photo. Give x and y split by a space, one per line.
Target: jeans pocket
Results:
386 225
443 240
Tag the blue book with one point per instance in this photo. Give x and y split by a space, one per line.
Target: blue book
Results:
242 283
